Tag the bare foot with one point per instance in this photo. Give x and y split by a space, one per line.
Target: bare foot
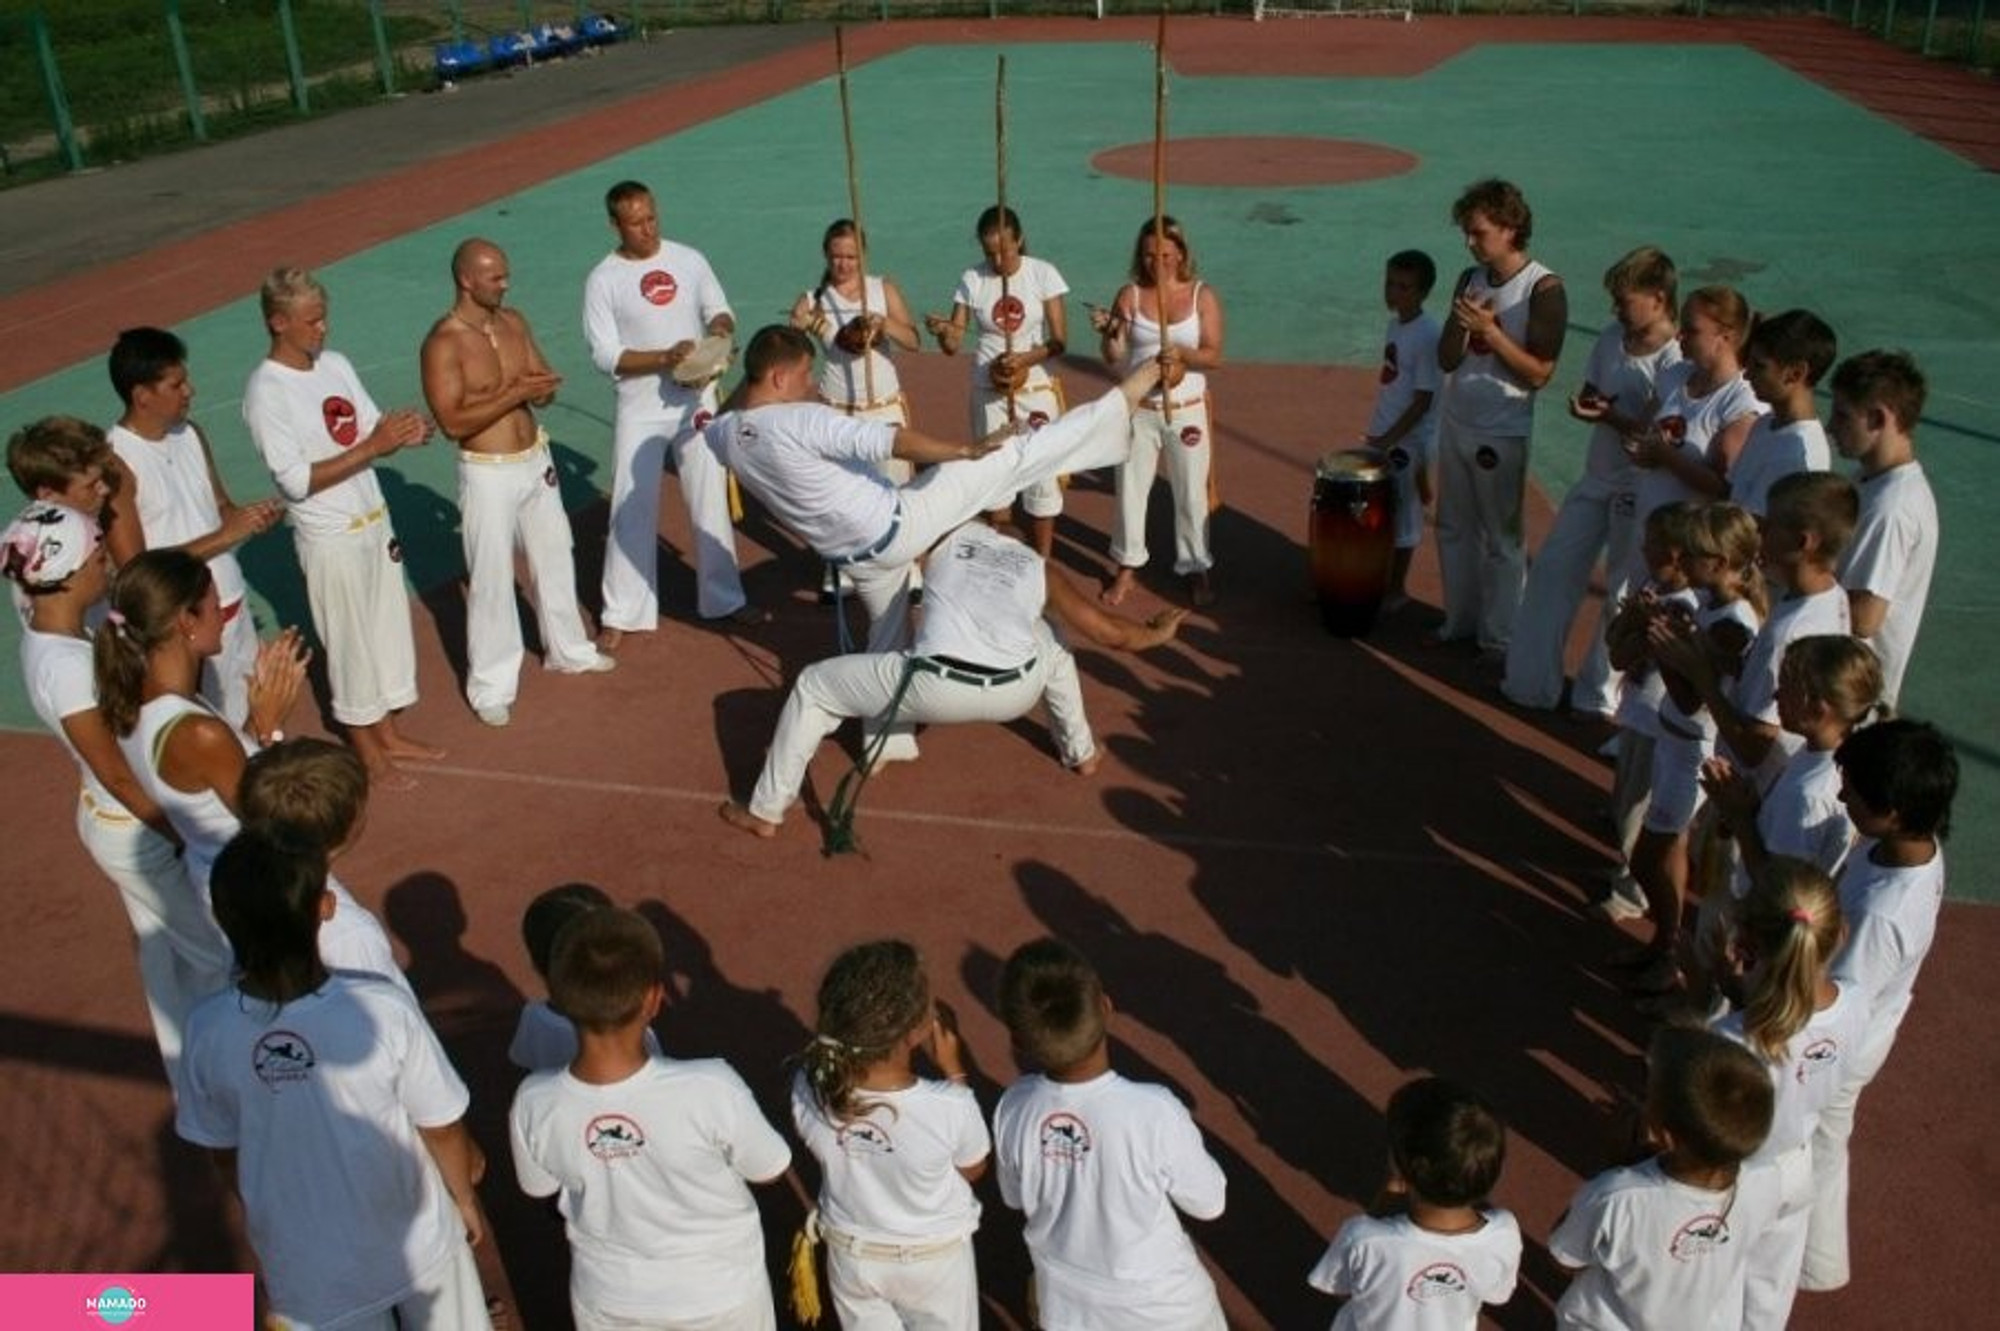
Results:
388 776
608 640
743 820
1089 766
1145 377
398 745
1119 587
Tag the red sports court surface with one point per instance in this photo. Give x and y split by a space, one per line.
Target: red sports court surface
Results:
1309 869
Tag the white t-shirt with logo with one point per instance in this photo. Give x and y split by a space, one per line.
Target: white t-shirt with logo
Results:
1689 423
1651 1252
651 305
814 468
1099 1169
1409 367
299 417
1398 1276
1632 385
891 1174
322 1100
651 1174
984 594
1018 319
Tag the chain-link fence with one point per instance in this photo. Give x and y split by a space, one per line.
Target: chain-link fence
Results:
91 82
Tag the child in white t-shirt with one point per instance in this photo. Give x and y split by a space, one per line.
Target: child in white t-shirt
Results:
1403 423
332 1110
1898 779
898 1152
1436 1250
1101 1167
1808 1028
1665 1243
544 1039
647 1157
1785 356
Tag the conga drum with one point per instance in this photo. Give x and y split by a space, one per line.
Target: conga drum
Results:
1353 545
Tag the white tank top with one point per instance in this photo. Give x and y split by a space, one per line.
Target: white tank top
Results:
1142 341
983 593
204 822
1482 393
843 379
176 498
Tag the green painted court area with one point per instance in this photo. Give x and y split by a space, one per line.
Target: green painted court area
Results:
1745 172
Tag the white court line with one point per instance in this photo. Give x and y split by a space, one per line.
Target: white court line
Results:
1187 840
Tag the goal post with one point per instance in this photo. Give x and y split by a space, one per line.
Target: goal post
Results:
1397 9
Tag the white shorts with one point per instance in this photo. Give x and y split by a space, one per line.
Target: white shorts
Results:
1037 404
1677 793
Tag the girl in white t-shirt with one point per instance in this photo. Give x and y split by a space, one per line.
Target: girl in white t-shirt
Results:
898 1152
1808 1029
1721 565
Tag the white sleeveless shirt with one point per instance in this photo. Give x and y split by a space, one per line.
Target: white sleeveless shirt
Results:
1482 394
1142 342
204 822
176 499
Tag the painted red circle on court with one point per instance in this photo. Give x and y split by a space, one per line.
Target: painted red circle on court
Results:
659 287
1261 160
341 424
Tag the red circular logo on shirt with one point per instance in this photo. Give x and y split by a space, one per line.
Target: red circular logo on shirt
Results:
1191 435
1390 363
702 418
1009 314
1037 419
341 423
659 287
1673 429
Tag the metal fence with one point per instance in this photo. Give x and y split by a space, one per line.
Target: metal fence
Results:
93 82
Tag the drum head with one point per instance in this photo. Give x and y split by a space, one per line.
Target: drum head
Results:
706 362
1353 464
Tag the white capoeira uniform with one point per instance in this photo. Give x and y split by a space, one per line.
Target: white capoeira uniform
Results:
177 505
653 304
1687 741
504 498
984 653
352 940
1019 320
813 468
346 544
1892 555
182 956
896 1212
1773 452
1483 429
1409 367
867 385
1184 444
1598 517
1101 1171
1816 1066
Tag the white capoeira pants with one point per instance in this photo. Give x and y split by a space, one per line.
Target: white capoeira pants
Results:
361 609
504 498
1482 483
1184 447
1594 520
183 957
1827 1265
863 684
934 1289
1040 404
639 452
225 678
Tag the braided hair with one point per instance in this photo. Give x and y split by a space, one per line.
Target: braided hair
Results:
873 996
